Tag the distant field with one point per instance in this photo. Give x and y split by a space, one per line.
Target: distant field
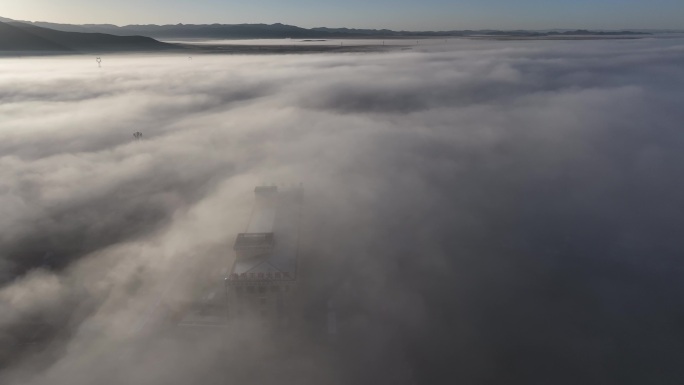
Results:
299 45
270 46
311 42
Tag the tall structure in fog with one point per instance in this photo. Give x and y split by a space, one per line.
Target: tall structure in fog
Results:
263 278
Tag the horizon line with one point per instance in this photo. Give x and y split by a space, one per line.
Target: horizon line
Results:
363 28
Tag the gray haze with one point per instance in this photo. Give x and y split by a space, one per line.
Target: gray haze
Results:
489 213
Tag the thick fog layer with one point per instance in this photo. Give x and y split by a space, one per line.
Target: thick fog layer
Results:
480 212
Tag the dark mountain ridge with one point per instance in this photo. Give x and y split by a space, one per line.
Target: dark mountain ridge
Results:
22 37
278 30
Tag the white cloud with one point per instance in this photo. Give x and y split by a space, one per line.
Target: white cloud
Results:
473 202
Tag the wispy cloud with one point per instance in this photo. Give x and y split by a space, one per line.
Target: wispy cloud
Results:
483 211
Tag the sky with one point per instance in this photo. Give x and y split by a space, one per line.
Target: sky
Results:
392 14
480 211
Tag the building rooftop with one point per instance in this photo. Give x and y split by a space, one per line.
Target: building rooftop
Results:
262 258
280 261
246 241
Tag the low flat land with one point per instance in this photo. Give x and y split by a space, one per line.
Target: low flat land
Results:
279 49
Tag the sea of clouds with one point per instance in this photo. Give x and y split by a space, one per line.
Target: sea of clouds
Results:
483 212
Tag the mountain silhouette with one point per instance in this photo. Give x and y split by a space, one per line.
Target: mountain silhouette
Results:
22 37
278 30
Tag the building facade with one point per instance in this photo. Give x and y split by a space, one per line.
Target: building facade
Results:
262 284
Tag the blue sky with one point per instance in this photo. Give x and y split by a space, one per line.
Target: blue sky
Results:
394 14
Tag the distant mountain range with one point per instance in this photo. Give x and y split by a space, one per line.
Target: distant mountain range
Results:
255 31
22 37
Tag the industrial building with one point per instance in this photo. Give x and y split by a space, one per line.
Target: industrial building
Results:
263 278
259 285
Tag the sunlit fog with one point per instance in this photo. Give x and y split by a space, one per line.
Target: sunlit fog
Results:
471 212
